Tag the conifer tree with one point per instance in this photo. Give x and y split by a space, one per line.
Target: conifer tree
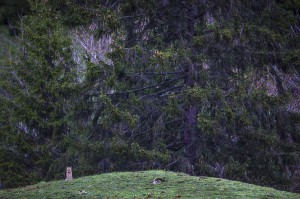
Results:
36 87
203 87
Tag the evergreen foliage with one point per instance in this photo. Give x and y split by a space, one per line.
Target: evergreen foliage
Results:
203 87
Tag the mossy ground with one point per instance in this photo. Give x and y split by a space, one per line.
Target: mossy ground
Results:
139 185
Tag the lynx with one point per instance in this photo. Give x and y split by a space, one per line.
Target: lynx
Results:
69 173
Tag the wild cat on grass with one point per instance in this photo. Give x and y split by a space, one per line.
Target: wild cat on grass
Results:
69 173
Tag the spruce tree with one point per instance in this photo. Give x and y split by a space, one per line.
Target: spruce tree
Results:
37 85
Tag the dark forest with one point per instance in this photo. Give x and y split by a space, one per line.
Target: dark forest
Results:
205 87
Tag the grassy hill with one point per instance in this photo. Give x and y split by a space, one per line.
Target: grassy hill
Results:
139 185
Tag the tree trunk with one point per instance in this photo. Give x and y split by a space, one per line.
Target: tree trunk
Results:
189 134
190 121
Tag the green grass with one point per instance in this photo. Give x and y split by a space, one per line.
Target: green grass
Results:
139 185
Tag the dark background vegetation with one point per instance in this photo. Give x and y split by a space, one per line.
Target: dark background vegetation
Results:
200 86
10 10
